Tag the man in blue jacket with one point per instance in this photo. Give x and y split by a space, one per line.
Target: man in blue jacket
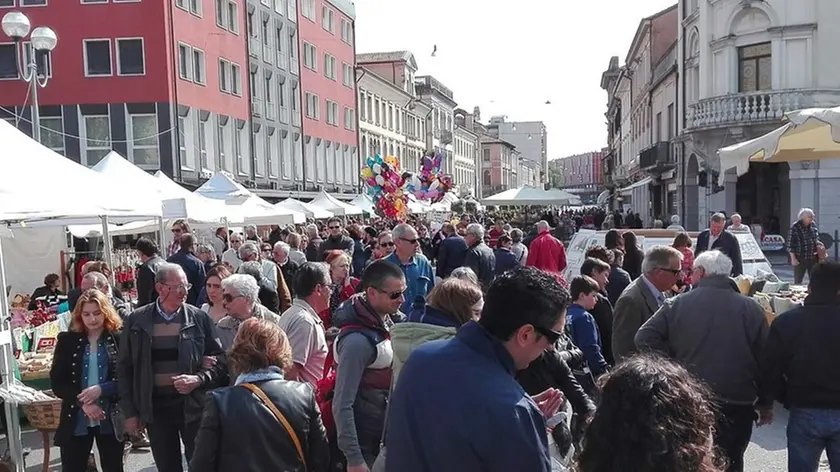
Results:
457 407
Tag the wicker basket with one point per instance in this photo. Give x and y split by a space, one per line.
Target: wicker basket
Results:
44 415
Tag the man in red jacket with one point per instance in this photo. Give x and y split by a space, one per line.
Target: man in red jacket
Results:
547 252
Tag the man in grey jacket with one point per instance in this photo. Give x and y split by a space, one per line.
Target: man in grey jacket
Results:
719 336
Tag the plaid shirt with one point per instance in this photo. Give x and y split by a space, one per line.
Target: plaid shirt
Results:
803 241
174 247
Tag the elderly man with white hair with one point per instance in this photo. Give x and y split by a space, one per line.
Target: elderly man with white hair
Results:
719 336
479 257
281 253
804 245
272 276
240 295
547 252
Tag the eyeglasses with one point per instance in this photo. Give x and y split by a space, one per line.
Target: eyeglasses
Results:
393 295
335 227
184 287
176 230
550 335
229 298
388 244
410 241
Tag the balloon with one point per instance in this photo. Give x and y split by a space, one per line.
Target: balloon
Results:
435 184
377 169
366 172
380 180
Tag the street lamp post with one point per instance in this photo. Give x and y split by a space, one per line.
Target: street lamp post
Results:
42 40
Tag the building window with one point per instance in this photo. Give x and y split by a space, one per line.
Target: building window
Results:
202 143
97 132
185 61
182 143
311 107
310 57
224 76
181 4
346 31
8 61
307 9
295 99
52 133
131 57
144 150
486 156
33 3
44 60
292 44
233 17
280 6
327 19
754 68
281 94
199 67
329 66
347 74
235 79
221 13
241 166
362 107
269 88
332 113
349 119
98 58
195 7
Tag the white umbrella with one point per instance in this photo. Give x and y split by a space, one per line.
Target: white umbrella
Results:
532 196
334 205
243 206
310 211
808 135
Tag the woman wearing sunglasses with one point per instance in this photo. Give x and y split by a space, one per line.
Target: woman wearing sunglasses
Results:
240 296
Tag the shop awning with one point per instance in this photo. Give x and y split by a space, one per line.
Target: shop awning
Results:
638 184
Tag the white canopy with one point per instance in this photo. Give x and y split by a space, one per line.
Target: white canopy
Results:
245 207
364 203
809 135
37 183
334 205
309 210
532 196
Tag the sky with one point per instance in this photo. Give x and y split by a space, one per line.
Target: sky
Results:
510 57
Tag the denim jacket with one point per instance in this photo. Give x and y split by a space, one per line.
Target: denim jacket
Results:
109 389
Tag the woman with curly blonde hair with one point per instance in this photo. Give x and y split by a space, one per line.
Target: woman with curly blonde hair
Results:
263 422
84 376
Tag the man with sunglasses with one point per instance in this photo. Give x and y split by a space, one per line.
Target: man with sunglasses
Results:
363 356
661 269
419 277
336 240
457 405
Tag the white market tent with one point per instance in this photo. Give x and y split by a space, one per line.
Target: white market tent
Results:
57 187
183 204
364 203
311 211
532 196
328 202
243 206
31 185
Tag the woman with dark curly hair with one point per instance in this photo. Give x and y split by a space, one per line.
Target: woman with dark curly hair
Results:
653 416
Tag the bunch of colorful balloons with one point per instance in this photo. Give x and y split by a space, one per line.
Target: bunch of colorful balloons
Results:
430 183
385 185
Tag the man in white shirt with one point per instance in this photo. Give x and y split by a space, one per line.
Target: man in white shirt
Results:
231 256
302 324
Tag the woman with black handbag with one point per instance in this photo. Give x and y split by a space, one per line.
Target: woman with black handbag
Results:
84 376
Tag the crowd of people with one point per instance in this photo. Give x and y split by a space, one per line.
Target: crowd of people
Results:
399 348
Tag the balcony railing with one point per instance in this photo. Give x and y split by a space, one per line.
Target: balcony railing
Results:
755 107
271 111
657 158
254 46
268 54
294 65
284 115
282 60
257 106
296 119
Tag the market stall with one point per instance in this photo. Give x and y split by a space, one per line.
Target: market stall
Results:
334 205
94 199
774 296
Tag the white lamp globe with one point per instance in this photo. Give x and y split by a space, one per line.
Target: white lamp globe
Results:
16 25
43 39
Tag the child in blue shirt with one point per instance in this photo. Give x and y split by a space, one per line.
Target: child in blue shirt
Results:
581 325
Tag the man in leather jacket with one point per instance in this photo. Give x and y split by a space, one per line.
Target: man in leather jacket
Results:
161 379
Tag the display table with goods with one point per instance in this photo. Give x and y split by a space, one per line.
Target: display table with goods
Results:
774 296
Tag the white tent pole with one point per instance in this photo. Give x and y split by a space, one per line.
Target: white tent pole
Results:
106 247
8 366
162 236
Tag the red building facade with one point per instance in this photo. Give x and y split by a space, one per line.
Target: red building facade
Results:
328 90
141 78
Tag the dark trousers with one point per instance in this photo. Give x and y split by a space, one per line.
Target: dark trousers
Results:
733 430
806 266
74 456
166 432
